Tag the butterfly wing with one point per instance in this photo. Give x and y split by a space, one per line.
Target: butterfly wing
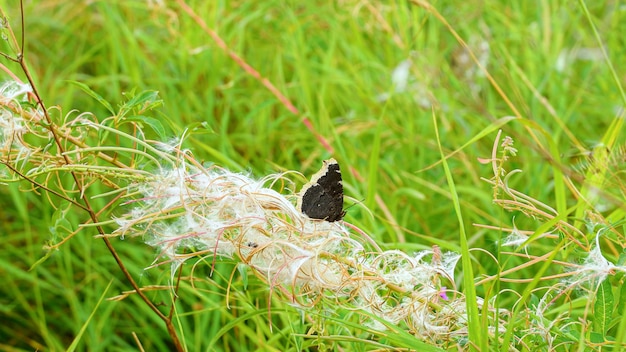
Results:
322 198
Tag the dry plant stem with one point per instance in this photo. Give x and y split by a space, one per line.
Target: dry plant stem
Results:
168 322
509 230
139 345
126 294
519 201
532 211
386 26
39 185
536 260
365 237
58 245
254 73
86 205
100 155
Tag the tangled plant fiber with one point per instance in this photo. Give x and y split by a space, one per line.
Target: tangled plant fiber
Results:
186 210
191 211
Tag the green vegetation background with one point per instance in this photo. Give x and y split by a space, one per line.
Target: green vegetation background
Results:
333 60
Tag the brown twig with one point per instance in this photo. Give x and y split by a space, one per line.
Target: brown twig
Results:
86 205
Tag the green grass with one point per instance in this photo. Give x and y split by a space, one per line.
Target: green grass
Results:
411 165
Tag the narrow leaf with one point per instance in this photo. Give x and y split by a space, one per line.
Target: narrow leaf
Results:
603 307
85 88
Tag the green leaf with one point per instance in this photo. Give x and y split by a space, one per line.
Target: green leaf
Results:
243 271
153 123
621 304
144 101
85 88
596 337
61 226
603 307
621 260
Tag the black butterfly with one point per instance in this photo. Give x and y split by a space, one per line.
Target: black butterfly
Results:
322 198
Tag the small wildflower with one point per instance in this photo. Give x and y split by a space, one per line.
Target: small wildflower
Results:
507 146
442 293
